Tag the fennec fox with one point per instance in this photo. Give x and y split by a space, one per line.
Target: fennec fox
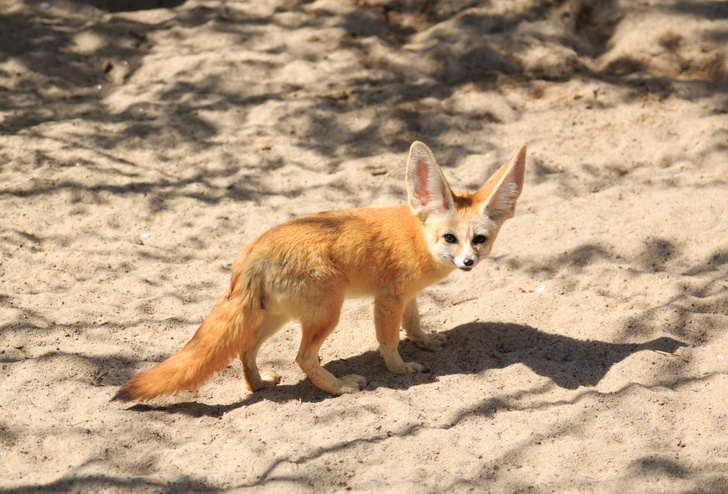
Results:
303 269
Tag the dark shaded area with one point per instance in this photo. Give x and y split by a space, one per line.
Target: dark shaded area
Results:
472 348
709 10
88 483
132 5
479 54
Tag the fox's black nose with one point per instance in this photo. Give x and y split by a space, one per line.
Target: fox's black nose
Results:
468 262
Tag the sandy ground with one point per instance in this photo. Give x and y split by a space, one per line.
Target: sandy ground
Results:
141 148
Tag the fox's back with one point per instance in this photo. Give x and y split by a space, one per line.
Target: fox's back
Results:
357 251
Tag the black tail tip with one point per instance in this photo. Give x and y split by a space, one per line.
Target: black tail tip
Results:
122 395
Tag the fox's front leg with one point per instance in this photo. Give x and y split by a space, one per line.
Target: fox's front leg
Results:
411 324
387 316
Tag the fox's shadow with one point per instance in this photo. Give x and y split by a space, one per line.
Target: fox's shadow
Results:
471 349
475 347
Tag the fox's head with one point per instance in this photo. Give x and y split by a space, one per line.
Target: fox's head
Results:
461 228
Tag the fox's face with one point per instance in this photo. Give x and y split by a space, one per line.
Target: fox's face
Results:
461 228
462 238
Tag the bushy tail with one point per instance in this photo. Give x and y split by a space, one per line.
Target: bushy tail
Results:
220 338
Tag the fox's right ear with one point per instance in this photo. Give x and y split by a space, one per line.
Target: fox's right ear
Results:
500 192
427 190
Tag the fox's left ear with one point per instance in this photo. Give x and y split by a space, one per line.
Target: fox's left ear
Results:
501 190
427 190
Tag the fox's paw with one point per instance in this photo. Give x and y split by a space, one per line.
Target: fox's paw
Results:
351 384
412 367
408 368
268 380
431 341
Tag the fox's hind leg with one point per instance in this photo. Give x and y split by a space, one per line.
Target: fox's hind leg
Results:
411 324
253 379
314 332
388 313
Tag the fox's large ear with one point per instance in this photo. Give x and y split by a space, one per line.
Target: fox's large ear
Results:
427 190
501 190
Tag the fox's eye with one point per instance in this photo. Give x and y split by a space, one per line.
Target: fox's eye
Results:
480 239
450 238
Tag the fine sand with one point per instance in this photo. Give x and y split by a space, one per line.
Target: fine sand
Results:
141 148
